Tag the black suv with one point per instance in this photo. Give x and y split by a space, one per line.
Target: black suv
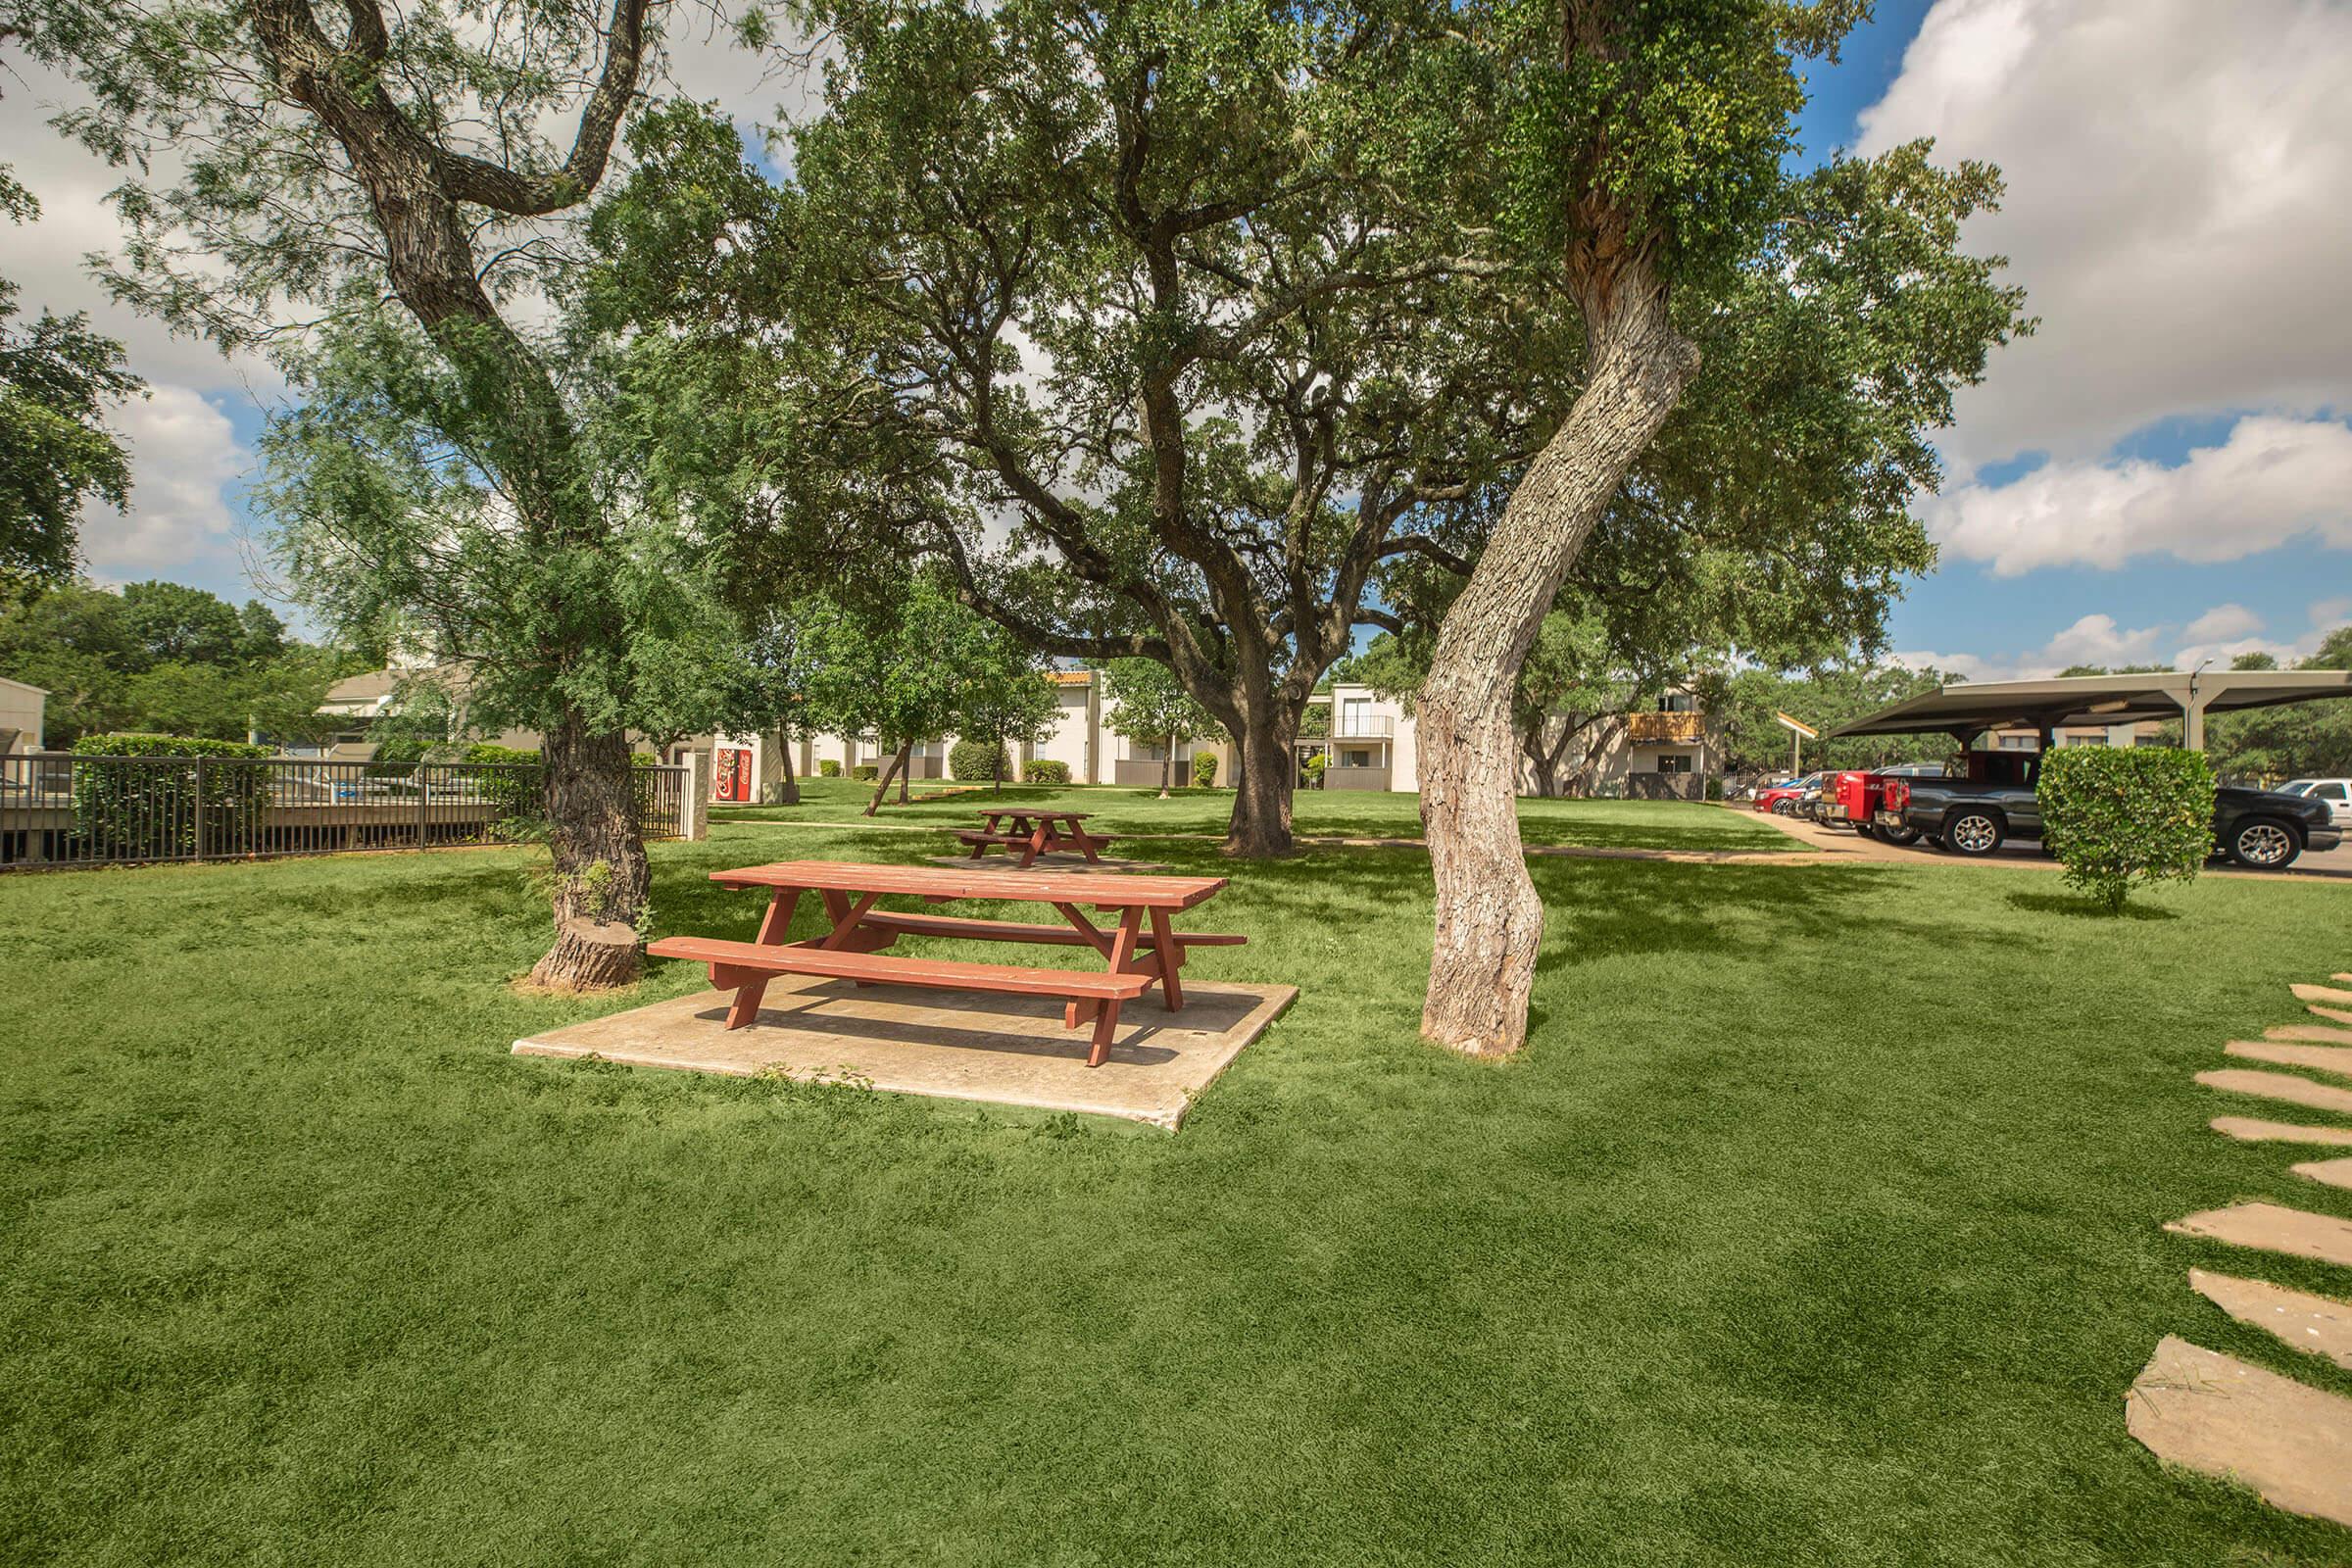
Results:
1974 816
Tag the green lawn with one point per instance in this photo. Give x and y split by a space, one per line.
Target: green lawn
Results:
1329 813
1819 1224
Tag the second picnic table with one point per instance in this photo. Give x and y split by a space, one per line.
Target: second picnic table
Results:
1138 958
1034 832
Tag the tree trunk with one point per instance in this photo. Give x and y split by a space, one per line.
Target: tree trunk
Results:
790 793
906 770
1260 826
897 760
1544 762
1490 922
1167 767
600 865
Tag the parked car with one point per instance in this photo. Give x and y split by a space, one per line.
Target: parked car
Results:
2335 792
1975 815
1780 799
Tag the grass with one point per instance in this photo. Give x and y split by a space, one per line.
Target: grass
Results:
1327 813
1819 1224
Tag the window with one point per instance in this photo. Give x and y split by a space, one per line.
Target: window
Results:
1674 763
1678 703
1358 756
2329 792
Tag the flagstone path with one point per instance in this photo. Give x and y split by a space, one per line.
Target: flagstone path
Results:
2221 1416
2216 1414
2311 1323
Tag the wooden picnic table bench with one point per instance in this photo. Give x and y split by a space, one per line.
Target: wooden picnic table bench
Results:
1034 832
1138 958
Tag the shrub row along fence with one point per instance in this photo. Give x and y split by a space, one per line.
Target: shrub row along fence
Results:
67 810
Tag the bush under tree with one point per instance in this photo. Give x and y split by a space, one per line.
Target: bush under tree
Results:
1204 770
2120 818
1045 770
971 760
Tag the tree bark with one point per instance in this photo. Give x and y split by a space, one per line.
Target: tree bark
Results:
1490 922
897 762
1260 826
1167 766
599 863
791 795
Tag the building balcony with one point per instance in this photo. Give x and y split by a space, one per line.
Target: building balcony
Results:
1666 729
1363 726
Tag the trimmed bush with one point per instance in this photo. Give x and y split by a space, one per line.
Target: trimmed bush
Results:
866 772
1045 770
977 759
1204 770
2115 818
1316 767
828 767
137 808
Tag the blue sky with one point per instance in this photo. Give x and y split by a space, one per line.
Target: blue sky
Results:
2162 472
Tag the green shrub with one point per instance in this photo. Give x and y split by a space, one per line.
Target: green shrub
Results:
976 760
398 757
828 767
512 781
2116 817
865 772
1045 770
134 806
1204 770
1316 767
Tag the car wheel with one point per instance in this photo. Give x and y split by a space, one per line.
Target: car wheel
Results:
1782 808
2264 845
1900 835
1972 833
1865 830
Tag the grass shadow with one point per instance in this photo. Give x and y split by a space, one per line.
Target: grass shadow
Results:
2086 908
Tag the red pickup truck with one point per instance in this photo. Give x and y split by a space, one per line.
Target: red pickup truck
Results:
1857 797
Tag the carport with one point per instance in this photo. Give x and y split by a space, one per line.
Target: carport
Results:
1965 710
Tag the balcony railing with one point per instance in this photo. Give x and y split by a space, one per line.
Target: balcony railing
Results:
1655 729
1363 726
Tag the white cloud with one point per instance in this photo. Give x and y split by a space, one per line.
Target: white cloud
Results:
2328 614
2217 636
183 452
2175 207
2222 622
2272 480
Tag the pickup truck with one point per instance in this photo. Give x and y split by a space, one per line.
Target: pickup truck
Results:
1974 815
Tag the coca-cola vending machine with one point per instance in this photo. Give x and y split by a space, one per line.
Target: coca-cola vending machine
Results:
732 775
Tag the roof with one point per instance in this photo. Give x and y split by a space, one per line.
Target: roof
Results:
367 688
25 686
1070 677
1974 706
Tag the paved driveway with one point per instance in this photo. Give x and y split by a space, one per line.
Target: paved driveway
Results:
2328 866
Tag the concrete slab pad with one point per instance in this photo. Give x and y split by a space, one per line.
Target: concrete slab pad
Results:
2310 1323
2327 993
2273 1228
2220 1416
2322 1032
959 1045
2254 1130
1059 860
2332 1172
2279 1086
2339 1014
2291 1053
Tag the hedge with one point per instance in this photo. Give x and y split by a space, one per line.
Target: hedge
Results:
2118 818
1045 770
866 771
1204 770
977 759
512 781
150 807
828 767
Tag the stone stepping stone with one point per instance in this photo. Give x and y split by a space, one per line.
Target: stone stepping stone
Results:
2319 1059
2339 1014
2309 1031
2253 1130
2311 1323
2220 1416
2327 993
2273 1229
2278 1086
2333 1172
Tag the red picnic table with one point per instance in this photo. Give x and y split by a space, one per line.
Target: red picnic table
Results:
1137 958
1034 833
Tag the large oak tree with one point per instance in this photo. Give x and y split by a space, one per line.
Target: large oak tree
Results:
291 167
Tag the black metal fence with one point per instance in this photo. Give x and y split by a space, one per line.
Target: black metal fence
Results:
67 810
